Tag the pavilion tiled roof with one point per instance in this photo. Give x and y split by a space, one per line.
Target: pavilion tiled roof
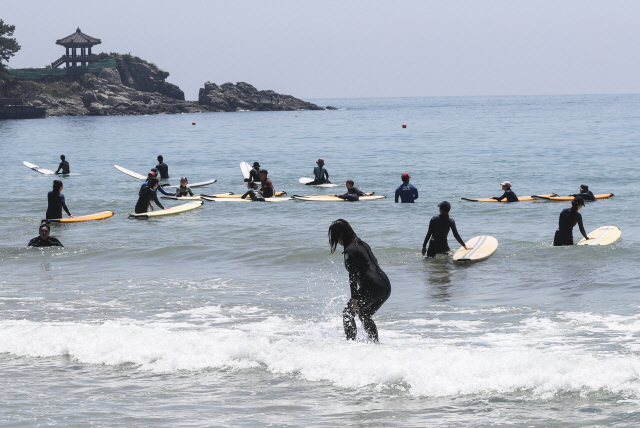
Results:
78 39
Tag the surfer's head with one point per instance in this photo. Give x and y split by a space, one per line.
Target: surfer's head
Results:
445 207
340 232
506 185
44 230
57 185
160 158
62 157
183 181
256 164
577 203
263 174
405 177
153 183
350 184
584 188
320 161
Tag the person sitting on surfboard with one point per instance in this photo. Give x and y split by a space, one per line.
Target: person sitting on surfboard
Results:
254 173
370 286
147 194
64 166
268 191
56 202
508 193
183 189
163 168
439 227
253 192
320 174
353 193
43 239
568 219
153 174
407 192
585 193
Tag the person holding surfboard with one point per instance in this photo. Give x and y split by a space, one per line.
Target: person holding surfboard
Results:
585 193
254 173
163 168
438 231
56 202
320 174
253 192
569 217
43 239
407 192
147 194
64 166
353 193
508 193
183 189
267 189
370 286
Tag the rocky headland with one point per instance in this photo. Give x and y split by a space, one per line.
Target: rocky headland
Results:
138 87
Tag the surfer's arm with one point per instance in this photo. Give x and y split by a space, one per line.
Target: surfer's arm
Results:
164 192
397 194
504 195
64 205
429 233
584 233
245 194
155 199
59 168
454 229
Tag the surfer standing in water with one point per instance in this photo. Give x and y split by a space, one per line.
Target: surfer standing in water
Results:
56 202
407 192
43 239
147 194
370 286
508 193
320 174
439 227
254 173
153 174
163 168
64 166
569 217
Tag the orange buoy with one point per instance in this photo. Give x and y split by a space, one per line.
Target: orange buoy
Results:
404 125
193 123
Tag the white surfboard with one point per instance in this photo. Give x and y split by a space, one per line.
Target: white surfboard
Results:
245 168
334 198
36 168
482 247
200 184
169 211
604 235
247 199
182 198
305 180
131 173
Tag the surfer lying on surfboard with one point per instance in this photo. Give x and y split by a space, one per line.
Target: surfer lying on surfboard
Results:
508 193
585 193
439 227
353 193
568 219
320 174
253 192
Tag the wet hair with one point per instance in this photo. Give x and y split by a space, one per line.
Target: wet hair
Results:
577 202
61 157
445 207
57 184
341 229
153 182
160 158
352 184
263 171
252 185
45 224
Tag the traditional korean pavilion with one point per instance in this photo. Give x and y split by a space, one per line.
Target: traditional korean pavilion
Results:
77 40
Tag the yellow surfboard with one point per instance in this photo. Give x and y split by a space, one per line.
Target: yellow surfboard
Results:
604 235
481 248
97 216
567 198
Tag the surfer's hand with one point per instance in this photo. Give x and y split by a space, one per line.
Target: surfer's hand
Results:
467 248
70 216
424 250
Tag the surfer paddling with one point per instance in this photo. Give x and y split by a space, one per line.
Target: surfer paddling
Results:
320 174
370 286
353 193
569 217
508 194
438 231
585 193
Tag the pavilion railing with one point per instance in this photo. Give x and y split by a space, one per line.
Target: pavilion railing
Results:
41 73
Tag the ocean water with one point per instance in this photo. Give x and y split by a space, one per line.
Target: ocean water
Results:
230 315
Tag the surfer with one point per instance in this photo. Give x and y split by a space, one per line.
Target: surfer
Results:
585 193
370 286
147 194
43 239
439 227
163 168
183 189
353 193
56 202
267 189
64 166
508 193
568 219
153 174
254 173
407 192
253 192
320 174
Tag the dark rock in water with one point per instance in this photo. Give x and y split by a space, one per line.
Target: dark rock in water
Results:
244 97
330 108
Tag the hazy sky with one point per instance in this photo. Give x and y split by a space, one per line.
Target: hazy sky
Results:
328 49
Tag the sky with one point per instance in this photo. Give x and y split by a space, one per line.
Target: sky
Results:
346 49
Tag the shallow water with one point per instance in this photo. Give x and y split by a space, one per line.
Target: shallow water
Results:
231 314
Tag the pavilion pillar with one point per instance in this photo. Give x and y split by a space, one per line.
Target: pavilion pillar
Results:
75 57
67 58
89 57
83 57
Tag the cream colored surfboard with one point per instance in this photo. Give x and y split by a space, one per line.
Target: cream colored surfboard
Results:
247 199
335 198
604 235
482 247
174 210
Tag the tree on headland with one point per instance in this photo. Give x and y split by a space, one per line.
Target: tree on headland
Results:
8 48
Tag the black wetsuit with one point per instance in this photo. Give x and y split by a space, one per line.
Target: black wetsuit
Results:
439 227
353 194
163 169
268 191
56 205
49 242
147 194
511 197
586 196
64 166
254 194
254 175
568 220
370 286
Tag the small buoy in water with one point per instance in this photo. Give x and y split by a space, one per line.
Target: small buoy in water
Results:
404 125
193 123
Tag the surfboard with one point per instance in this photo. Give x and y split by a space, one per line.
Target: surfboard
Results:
567 198
131 173
245 168
36 168
200 184
604 235
481 248
520 198
334 198
97 216
182 198
231 195
324 196
169 211
247 199
305 180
